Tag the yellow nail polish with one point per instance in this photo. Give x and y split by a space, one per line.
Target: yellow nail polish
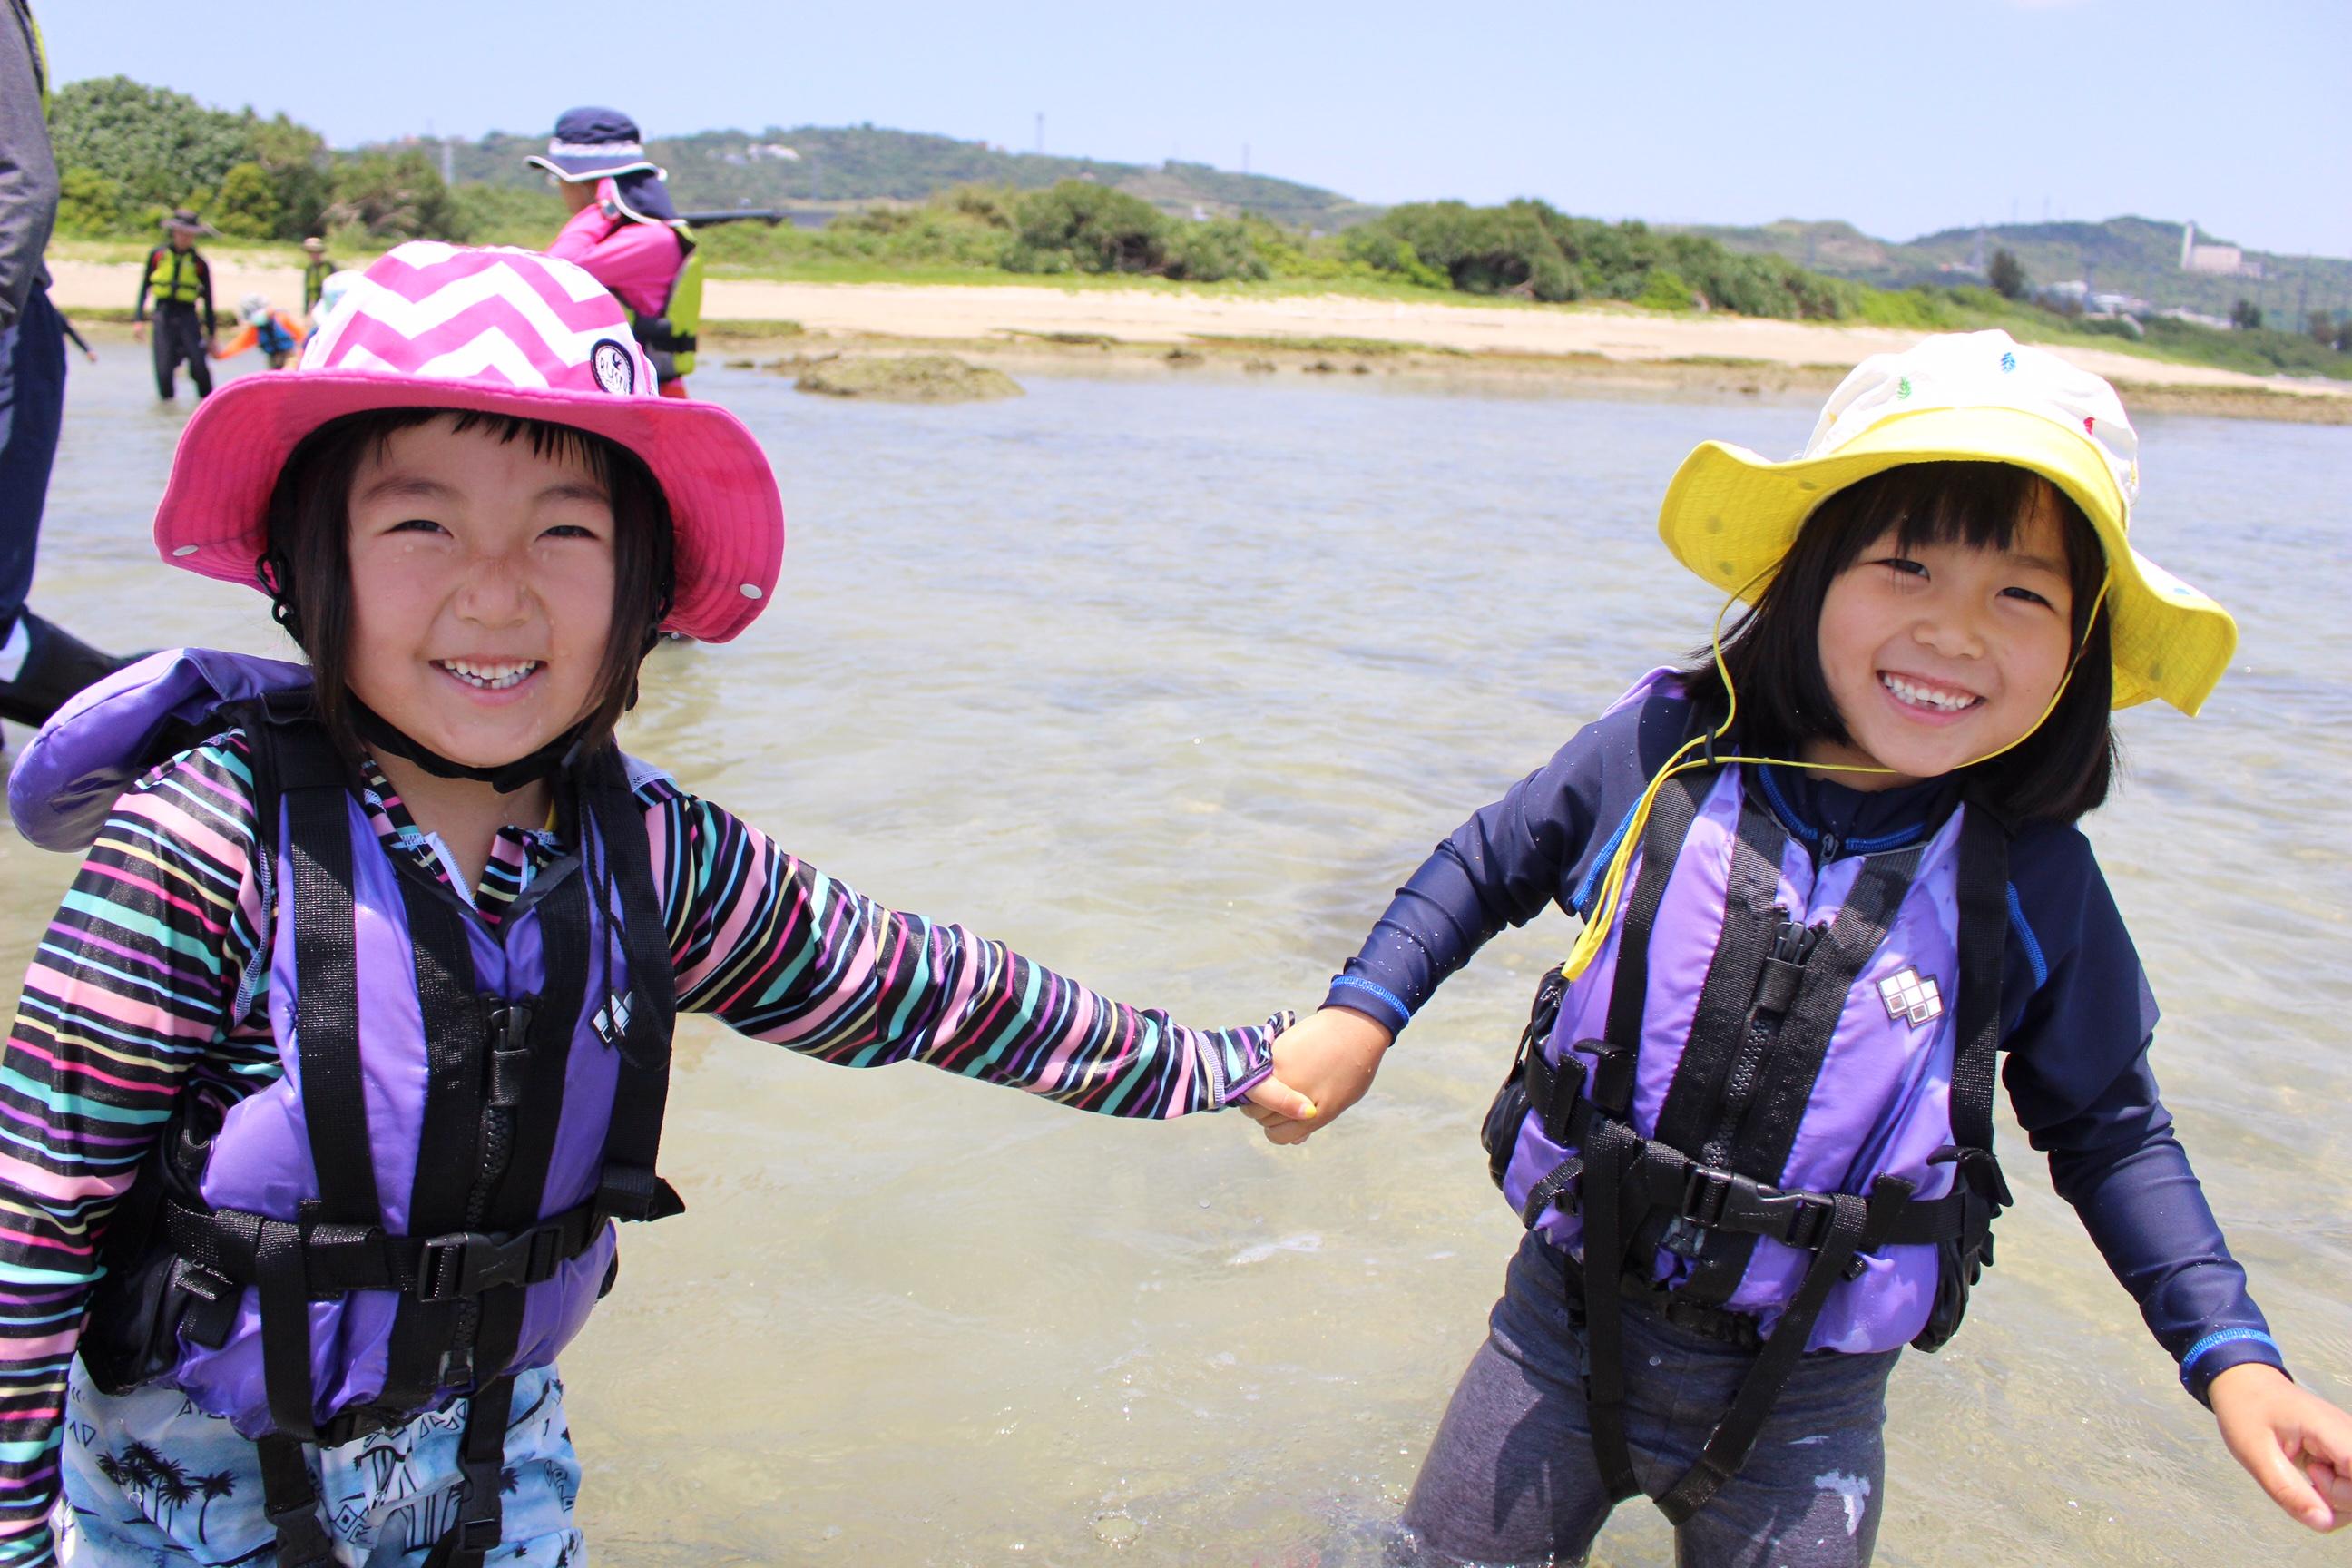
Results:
1310 1110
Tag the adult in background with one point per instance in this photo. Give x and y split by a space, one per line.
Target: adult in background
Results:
40 666
181 283
627 233
317 267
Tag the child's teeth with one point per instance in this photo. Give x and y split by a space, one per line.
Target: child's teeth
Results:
494 677
1949 701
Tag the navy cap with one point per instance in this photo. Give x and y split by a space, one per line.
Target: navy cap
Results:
594 145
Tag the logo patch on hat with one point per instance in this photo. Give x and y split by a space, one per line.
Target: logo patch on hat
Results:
617 372
1910 995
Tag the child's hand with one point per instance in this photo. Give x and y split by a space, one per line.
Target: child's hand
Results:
1331 1058
1270 1103
2294 1443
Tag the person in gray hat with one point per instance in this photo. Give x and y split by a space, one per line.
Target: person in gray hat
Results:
625 233
181 283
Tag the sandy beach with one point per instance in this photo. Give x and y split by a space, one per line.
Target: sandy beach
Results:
1467 341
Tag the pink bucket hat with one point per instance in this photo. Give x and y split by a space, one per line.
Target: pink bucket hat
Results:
499 331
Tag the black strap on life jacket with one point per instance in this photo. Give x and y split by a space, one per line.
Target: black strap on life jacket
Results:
494 1103
1773 999
630 1186
1606 1143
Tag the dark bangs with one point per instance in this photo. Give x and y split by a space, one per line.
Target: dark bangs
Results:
307 569
1773 652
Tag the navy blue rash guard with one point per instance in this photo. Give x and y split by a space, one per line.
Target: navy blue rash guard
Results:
2076 1010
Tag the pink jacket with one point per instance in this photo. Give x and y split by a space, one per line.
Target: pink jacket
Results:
637 261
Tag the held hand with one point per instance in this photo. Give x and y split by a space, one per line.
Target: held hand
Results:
2294 1443
1272 1101
1332 1057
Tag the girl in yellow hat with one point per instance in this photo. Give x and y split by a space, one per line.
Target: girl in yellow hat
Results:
1828 875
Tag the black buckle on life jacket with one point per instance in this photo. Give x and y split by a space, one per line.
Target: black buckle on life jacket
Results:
1980 1169
1714 1199
1707 1194
634 1193
466 1263
480 1522
509 1052
1611 1086
209 1316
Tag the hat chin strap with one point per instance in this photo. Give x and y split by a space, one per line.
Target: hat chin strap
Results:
506 778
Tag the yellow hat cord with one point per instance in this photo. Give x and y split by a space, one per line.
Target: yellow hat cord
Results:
1602 914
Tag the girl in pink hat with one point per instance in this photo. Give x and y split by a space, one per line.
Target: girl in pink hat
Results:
351 1040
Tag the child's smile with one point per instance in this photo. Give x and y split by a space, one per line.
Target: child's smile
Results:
483 573
1941 654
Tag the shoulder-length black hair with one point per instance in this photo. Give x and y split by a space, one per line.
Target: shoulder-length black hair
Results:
2063 769
307 568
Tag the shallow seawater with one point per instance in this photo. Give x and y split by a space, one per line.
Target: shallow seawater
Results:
1169 684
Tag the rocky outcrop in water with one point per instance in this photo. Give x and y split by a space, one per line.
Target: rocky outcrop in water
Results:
907 378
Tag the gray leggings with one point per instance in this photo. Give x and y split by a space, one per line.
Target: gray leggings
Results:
1510 1476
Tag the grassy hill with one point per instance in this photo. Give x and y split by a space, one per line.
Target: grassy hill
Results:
860 163
2124 255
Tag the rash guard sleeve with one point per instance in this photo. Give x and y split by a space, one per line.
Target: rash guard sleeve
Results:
779 950
131 996
2082 1021
1513 859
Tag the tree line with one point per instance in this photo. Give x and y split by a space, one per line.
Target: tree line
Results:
128 153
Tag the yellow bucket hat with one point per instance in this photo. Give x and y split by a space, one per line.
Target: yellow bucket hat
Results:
1730 514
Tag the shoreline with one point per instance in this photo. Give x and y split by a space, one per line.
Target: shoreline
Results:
1504 348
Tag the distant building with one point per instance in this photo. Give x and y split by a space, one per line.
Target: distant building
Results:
2217 261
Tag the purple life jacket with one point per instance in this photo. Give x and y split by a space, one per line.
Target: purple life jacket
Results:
421 1205
1765 1110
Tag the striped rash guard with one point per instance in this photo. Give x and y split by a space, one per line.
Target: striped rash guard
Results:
151 983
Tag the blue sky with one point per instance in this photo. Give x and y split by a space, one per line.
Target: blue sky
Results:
1903 116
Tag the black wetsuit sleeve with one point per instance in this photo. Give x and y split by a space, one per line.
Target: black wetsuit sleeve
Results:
204 281
28 170
146 280
2079 1076
1511 862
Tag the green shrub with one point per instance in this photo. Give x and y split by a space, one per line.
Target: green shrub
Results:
391 196
993 206
1080 227
1214 251
248 206
157 145
1481 250
526 215
88 203
1913 308
2112 327
1379 248
1665 290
